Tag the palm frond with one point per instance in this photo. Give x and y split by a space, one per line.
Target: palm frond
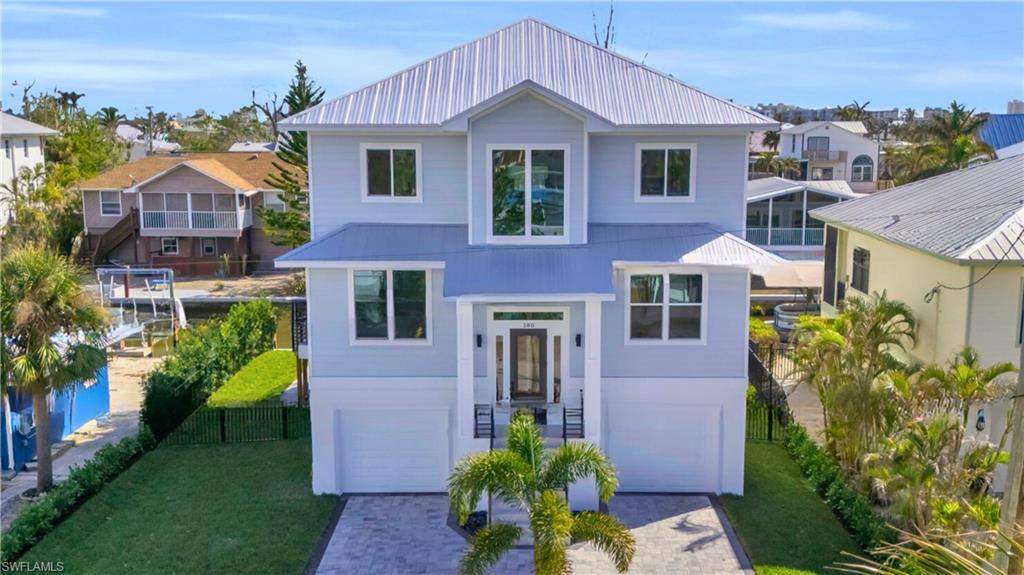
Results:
500 472
608 535
524 439
574 461
487 547
551 523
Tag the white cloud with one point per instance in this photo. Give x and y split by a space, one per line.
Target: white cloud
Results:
996 73
19 12
842 20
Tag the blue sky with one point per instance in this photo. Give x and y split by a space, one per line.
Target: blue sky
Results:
182 56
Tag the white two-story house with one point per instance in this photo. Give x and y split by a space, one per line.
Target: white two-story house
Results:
527 222
833 150
23 148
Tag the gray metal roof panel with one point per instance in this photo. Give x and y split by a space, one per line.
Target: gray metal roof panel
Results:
14 125
961 215
620 90
504 269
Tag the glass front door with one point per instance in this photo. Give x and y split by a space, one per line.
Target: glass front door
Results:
528 359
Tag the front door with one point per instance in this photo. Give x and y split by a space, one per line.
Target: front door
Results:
529 367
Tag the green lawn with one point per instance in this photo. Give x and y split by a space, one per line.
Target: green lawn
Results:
233 508
785 527
261 379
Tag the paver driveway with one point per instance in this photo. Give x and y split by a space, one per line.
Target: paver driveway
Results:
407 534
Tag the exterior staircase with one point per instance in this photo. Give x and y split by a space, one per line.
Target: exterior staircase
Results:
121 231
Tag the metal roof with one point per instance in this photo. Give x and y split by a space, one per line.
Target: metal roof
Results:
563 269
971 214
12 125
621 91
764 188
854 127
1003 130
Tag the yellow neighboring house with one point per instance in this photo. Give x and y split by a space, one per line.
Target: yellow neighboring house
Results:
951 247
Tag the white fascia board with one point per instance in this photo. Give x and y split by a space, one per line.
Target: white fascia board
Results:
345 264
531 298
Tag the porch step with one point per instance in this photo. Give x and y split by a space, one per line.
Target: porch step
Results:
501 442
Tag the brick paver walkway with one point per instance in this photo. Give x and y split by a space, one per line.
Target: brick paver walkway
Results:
406 534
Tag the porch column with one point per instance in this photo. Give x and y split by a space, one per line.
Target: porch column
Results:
803 223
592 372
188 199
464 368
770 221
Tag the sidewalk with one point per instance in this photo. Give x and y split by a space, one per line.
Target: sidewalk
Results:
126 374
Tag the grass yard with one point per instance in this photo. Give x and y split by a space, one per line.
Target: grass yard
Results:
785 527
231 508
263 378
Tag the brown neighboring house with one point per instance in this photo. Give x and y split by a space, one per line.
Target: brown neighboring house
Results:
184 212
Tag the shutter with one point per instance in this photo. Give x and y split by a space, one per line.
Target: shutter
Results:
829 284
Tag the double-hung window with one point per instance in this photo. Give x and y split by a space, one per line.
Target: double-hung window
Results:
665 306
169 246
110 203
861 268
391 172
273 201
527 191
665 172
390 305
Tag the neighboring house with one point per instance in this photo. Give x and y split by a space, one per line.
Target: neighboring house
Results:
777 214
951 248
527 221
23 148
833 151
184 212
252 147
140 147
1005 133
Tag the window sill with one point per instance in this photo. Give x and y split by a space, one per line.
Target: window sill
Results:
666 342
665 199
390 342
392 199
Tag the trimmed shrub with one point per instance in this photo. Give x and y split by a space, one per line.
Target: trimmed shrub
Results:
855 512
204 359
38 518
262 379
762 333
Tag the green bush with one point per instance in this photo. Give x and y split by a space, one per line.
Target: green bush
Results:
854 510
263 378
38 518
203 360
762 333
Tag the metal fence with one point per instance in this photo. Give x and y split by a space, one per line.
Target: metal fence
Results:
768 412
267 422
777 358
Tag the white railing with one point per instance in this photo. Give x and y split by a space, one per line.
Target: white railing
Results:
166 220
215 220
786 236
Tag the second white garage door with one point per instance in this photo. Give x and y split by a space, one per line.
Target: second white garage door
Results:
657 447
382 451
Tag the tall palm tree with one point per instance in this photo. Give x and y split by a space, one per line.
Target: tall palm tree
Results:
51 325
528 477
852 111
770 140
945 129
766 162
788 167
110 117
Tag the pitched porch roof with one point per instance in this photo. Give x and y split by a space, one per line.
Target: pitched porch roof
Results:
529 270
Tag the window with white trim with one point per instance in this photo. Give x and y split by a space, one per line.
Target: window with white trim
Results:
110 203
24 147
527 186
7 148
209 246
169 246
390 305
665 172
861 269
391 172
274 202
665 306
862 169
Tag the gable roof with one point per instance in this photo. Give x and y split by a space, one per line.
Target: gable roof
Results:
242 171
763 188
11 125
975 214
855 127
531 53
1003 130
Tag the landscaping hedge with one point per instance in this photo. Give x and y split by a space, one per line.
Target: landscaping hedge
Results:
262 379
38 518
868 528
203 360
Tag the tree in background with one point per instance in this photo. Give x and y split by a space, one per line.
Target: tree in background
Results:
770 140
209 134
943 143
110 117
291 226
853 111
44 313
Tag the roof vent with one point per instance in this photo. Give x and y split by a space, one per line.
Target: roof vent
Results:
895 220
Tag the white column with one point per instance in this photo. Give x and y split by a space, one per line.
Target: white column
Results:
464 368
803 223
238 212
583 494
188 198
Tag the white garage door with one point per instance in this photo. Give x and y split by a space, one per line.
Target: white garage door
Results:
382 451
657 447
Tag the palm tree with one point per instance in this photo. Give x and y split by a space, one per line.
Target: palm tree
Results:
909 115
967 554
109 117
944 129
528 477
51 325
770 140
765 162
853 111
788 167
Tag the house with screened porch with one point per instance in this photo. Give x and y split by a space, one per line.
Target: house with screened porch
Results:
528 223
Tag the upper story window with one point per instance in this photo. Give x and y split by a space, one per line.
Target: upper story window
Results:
665 172
390 172
817 143
863 168
7 148
665 307
24 147
861 269
110 203
527 192
390 306
274 202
